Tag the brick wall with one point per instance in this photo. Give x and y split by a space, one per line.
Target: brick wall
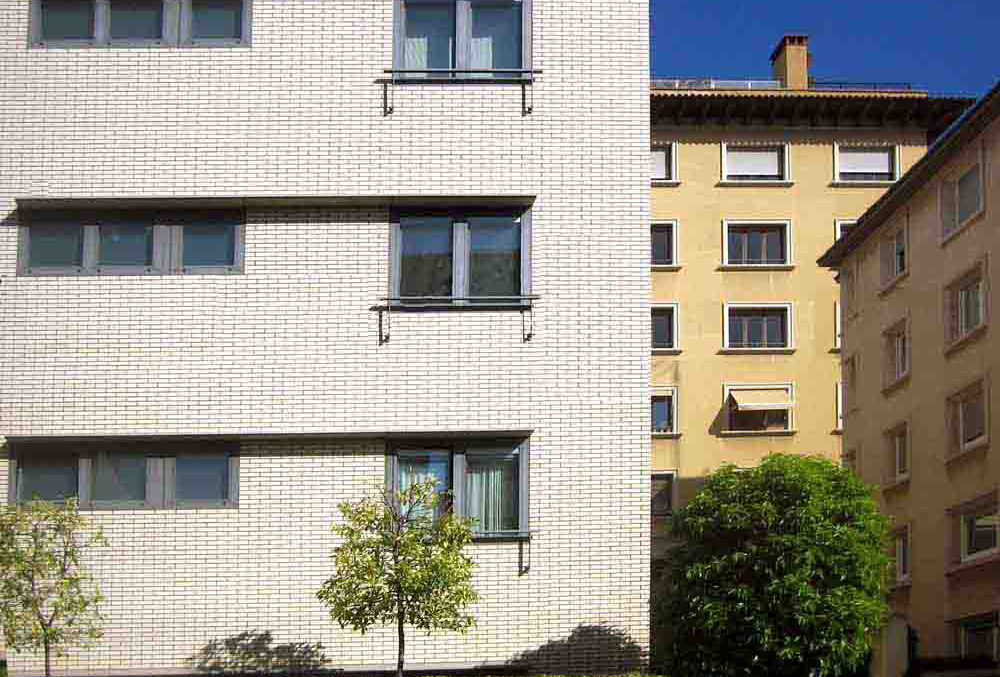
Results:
290 347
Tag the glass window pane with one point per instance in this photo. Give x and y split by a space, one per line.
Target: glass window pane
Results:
425 267
755 331
737 246
775 330
209 244
494 256
430 36
737 331
491 492
496 36
217 19
56 245
775 249
755 246
415 466
663 245
119 477
982 534
47 478
202 478
126 243
978 639
663 328
136 19
663 494
662 411
968 194
67 19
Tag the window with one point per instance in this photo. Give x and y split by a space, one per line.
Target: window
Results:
662 489
840 406
838 326
893 251
664 240
131 475
754 163
756 244
967 418
899 453
979 637
979 533
448 258
663 162
965 304
131 243
465 39
961 200
903 554
842 227
758 409
484 480
750 327
897 353
664 323
849 372
145 22
866 164
664 410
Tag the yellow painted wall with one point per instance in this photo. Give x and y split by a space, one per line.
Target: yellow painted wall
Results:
700 205
935 484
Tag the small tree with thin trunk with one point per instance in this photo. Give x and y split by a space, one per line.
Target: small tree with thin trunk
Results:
402 562
46 600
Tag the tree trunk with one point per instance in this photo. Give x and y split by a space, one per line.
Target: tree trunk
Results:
402 644
48 658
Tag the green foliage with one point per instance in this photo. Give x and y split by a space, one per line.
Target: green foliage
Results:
400 562
780 570
46 600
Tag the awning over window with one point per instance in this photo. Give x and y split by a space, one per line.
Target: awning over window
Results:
764 399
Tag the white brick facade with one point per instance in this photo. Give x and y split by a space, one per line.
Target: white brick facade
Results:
290 348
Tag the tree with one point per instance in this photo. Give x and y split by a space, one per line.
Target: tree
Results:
46 600
401 561
780 570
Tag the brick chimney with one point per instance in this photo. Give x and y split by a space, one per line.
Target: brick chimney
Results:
790 61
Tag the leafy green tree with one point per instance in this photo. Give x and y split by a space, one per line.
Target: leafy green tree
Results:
779 570
47 601
401 561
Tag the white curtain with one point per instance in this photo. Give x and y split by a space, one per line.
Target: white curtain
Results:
866 160
416 52
490 493
753 161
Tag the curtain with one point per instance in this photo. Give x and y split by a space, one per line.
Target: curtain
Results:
491 493
866 160
763 161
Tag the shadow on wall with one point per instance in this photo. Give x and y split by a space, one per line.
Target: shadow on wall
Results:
589 650
255 652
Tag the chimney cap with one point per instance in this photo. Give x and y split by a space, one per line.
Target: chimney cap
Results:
789 39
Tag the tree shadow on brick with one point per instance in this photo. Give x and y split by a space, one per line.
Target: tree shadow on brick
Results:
589 650
256 653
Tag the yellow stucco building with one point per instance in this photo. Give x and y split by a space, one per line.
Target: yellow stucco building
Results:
919 356
751 181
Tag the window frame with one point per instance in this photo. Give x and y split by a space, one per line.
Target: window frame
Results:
675 327
159 493
674 244
460 278
895 156
901 540
733 224
949 196
955 423
672 179
897 363
964 519
840 407
463 55
177 18
897 451
954 309
168 243
979 621
784 162
840 224
661 474
889 248
789 327
729 431
459 450
15 470
838 327
668 392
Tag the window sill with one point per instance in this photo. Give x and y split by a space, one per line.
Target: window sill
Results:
968 449
453 307
463 80
889 388
756 351
898 483
664 183
502 537
666 436
755 266
744 183
962 341
670 267
974 562
891 284
862 184
667 351
757 433
962 227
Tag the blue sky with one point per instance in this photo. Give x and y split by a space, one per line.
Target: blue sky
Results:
946 46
